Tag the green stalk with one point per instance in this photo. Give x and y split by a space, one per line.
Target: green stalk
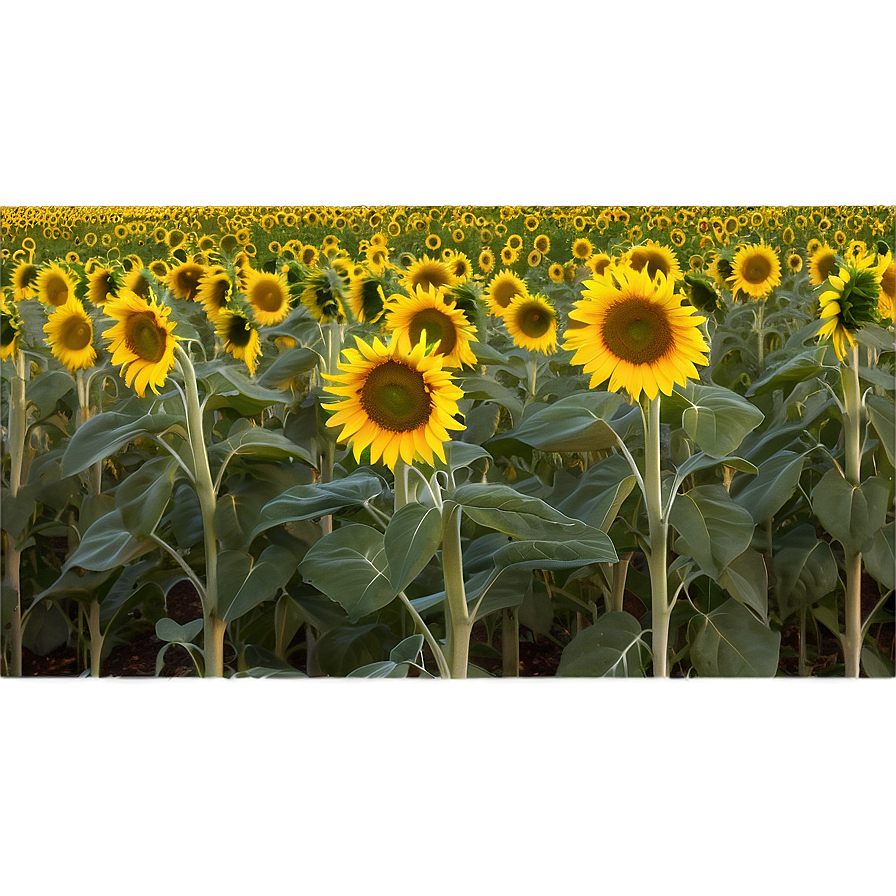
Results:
803 656
460 625
401 484
761 309
96 638
423 629
532 365
620 573
18 424
214 627
510 642
659 536
852 430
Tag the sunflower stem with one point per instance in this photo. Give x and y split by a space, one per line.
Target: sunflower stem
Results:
96 638
658 531
423 629
214 627
401 484
532 365
510 642
803 662
18 426
460 624
620 573
852 432
760 305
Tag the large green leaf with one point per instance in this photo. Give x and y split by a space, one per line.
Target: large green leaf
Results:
411 539
797 369
596 497
746 579
851 514
400 659
231 388
106 544
143 496
504 509
614 647
259 443
45 390
555 554
712 528
243 585
879 558
349 565
805 569
175 633
882 412
730 642
717 419
101 436
304 502
765 494
288 366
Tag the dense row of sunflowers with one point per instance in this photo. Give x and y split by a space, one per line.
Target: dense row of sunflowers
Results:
632 294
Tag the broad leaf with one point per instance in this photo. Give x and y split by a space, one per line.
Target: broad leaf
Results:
764 495
746 579
143 496
171 631
883 417
106 544
879 558
291 364
555 554
411 539
258 443
613 647
400 658
799 368
243 585
851 514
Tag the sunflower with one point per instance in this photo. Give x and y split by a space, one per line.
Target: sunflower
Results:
433 241
460 267
399 404
654 258
10 328
696 262
502 288
756 270
701 293
509 255
54 286
214 291
822 263
582 249
239 336
486 261
102 285
427 315
533 259
322 295
598 263
367 296
851 300
142 341
137 283
268 294
795 262
70 336
556 272
183 280
23 280
887 299
532 323
543 243
427 272
636 333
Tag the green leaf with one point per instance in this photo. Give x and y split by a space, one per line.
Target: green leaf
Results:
712 528
613 647
244 584
746 579
504 509
349 565
400 658
484 389
730 642
883 417
463 454
101 436
345 648
851 514
288 366
143 496
764 495
412 538
799 368
577 423
598 495
879 558
717 419
174 633
105 545
231 388
876 666
45 390
555 554
304 502
259 443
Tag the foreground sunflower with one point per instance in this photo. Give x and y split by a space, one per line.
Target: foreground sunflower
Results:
269 296
851 301
240 338
322 295
101 285
10 328
822 263
54 286
887 302
70 336
142 341
183 280
24 279
654 258
502 289
532 323
400 405
214 291
636 333
755 270
429 315
367 295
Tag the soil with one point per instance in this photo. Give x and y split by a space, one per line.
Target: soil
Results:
539 654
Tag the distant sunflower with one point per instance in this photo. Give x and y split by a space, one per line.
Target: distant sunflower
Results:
756 270
322 295
502 289
24 280
543 243
142 341
398 404
239 336
367 296
533 259
10 329
433 241
214 291
159 269
531 322
269 296
582 249
427 272
428 312
795 262
183 280
54 286
654 258
556 272
851 301
70 336
598 263
509 255
460 267
822 263
486 261
636 333
102 285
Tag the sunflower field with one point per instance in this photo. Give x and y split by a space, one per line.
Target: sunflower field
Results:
448 442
